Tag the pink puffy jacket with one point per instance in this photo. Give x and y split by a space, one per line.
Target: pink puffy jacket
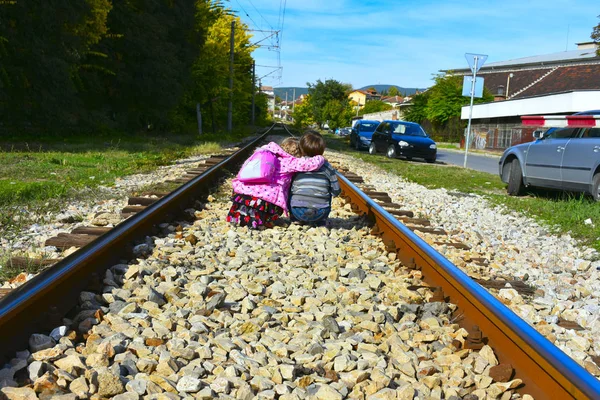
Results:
277 192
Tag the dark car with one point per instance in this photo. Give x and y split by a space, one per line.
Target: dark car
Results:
561 158
345 131
403 139
360 136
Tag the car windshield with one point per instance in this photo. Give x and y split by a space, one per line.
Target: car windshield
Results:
368 126
411 130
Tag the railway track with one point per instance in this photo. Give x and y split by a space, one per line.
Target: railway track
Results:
541 369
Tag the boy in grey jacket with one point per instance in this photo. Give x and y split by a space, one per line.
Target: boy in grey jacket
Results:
311 192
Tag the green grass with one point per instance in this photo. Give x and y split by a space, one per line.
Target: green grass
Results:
562 212
51 168
39 174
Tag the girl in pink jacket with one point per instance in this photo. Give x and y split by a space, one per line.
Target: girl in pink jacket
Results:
256 205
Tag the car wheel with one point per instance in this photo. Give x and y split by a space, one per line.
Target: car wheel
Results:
515 179
357 145
430 160
596 187
372 148
391 151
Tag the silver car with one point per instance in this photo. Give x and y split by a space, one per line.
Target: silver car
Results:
563 158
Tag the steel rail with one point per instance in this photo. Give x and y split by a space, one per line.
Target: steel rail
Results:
546 371
39 304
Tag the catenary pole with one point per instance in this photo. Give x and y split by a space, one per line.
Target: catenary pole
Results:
293 103
230 109
470 111
253 90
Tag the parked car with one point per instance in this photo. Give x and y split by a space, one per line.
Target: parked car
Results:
345 131
561 158
360 134
403 139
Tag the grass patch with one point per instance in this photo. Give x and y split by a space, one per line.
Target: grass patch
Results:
51 168
560 211
39 174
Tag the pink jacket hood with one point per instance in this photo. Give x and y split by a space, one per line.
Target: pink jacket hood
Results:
277 192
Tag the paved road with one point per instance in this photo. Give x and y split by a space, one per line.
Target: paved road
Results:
474 161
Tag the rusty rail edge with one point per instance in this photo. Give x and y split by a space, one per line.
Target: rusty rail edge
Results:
39 304
546 371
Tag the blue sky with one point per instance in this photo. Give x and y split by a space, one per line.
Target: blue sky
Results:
406 42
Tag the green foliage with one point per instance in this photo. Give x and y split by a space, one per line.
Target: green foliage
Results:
329 102
374 106
303 114
139 64
596 36
417 112
440 107
44 44
393 91
446 99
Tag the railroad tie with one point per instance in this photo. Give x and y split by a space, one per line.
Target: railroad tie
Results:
178 181
413 221
521 287
91 230
431 231
25 262
381 196
132 209
197 170
141 201
460 246
64 241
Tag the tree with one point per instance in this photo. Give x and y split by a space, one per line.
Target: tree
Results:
43 44
417 112
446 100
210 74
393 91
302 115
596 37
328 101
374 106
441 106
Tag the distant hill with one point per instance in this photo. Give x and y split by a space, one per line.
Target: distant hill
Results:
403 90
281 91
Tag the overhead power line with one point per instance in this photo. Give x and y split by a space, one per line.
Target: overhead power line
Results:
259 13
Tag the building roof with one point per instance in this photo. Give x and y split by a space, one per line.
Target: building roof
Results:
534 82
553 58
555 103
392 99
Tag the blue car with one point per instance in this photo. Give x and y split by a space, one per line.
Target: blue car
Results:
403 139
360 135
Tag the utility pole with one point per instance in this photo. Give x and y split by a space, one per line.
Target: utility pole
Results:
253 90
286 104
230 110
293 103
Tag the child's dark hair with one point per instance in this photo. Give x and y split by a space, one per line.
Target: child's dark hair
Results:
312 144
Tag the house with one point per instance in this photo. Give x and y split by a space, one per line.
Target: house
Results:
557 83
268 90
393 101
361 97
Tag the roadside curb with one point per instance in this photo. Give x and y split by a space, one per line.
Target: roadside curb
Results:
484 154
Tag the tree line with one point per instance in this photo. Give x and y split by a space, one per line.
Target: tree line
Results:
121 64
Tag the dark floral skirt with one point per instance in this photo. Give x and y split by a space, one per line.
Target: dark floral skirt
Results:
253 212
